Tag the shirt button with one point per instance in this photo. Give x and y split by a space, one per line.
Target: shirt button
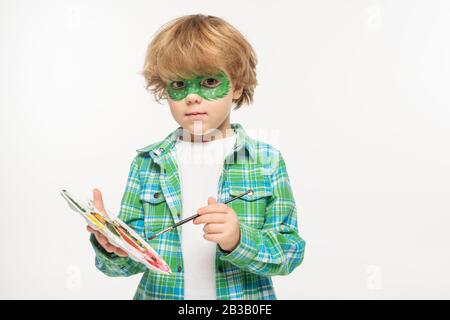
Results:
156 195
220 269
180 269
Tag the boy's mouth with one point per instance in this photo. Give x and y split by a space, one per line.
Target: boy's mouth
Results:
195 113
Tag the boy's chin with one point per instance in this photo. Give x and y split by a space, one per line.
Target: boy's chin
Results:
200 129
197 127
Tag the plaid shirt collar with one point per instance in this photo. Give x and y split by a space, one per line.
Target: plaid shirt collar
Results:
166 145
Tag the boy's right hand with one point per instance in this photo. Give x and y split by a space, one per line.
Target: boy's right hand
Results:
101 239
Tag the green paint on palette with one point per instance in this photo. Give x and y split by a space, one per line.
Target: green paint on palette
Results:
208 87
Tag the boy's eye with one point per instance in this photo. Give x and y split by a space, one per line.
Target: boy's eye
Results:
178 84
210 82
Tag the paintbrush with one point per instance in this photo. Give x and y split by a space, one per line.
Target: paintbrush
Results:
179 223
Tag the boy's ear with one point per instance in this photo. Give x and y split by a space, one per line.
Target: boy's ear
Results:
237 92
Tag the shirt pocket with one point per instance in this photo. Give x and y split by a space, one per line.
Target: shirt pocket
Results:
156 211
251 208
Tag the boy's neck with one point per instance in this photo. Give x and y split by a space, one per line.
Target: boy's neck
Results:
225 130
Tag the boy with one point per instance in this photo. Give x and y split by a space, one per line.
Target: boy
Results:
202 65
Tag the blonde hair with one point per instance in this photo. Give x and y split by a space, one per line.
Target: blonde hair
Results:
199 45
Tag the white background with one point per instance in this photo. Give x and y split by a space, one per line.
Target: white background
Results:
358 92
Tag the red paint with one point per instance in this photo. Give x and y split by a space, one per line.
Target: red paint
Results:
149 256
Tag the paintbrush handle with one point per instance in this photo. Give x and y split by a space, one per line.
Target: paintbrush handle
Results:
179 223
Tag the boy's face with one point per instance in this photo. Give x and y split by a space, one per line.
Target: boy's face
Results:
210 95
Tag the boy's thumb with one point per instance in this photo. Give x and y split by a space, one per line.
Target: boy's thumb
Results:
212 200
98 201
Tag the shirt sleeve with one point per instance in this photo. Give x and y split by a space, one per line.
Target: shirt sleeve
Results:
132 213
276 248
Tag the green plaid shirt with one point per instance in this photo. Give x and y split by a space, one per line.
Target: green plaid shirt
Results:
270 244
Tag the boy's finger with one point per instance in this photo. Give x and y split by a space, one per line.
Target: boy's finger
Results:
214 237
101 239
93 231
210 218
109 247
98 201
121 253
217 207
213 228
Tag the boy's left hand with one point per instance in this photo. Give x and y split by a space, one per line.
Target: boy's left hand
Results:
221 224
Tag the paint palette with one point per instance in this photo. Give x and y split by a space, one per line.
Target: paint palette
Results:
118 234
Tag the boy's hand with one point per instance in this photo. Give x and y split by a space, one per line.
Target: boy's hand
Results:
101 239
221 224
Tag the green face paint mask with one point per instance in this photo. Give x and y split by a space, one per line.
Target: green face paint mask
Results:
208 87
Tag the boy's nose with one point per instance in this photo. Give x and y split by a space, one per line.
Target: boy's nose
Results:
193 98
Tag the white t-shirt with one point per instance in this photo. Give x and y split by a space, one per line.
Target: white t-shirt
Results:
200 165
